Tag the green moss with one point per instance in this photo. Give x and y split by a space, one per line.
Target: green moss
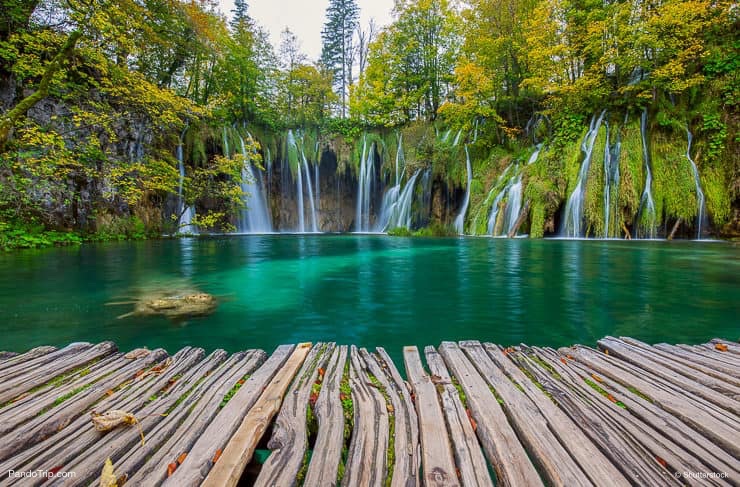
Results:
640 394
549 368
716 186
460 392
601 391
631 172
345 395
674 189
234 389
593 206
400 232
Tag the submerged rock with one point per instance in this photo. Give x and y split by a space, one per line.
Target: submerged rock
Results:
176 307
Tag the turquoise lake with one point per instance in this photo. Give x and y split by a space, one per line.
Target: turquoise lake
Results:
374 291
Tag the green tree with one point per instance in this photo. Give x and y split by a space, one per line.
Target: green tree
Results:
337 52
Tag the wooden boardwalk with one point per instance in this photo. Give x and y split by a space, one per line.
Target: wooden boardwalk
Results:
467 414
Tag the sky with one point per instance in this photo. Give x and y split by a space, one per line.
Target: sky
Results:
305 18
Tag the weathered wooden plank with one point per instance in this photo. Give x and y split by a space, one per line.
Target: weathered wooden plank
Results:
711 354
59 417
327 453
216 435
12 360
465 447
238 452
597 422
30 368
670 427
366 461
732 347
58 450
725 356
502 447
670 372
532 427
699 418
28 364
404 468
437 461
156 427
693 371
669 455
32 404
588 456
407 446
12 387
689 354
165 445
289 441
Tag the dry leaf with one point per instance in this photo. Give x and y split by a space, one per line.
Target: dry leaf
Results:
171 469
115 417
721 347
217 455
182 458
108 475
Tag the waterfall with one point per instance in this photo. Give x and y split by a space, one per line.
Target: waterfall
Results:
255 217
302 178
365 187
460 219
184 224
699 193
513 204
573 217
396 209
475 132
314 227
611 180
495 206
457 138
647 205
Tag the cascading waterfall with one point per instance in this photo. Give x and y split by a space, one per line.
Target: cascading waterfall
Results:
514 204
317 177
700 201
457 138
573 217
303 183
255 217
396 210
495 206
647 205
184 224
460 219
611 179
314 226
365 187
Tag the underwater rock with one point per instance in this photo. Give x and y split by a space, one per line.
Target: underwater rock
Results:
174 307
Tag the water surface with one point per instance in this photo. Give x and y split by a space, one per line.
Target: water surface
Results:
375 291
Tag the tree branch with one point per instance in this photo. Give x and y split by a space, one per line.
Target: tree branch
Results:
8 120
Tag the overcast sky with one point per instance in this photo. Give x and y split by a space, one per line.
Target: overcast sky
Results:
306 18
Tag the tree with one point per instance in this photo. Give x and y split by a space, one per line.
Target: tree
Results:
337 52
410 64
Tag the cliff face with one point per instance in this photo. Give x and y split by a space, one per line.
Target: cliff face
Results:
67 167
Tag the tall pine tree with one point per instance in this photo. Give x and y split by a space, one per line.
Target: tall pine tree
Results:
337 54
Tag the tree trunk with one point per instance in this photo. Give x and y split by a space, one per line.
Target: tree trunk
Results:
674 230
520 220
9 119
